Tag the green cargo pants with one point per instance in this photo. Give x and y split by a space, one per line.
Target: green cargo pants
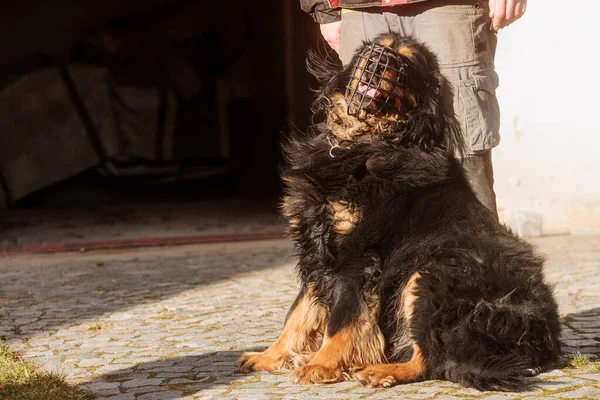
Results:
459 32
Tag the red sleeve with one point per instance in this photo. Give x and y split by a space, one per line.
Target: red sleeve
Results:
322 11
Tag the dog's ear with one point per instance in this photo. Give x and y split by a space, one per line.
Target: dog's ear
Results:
328 74
323 68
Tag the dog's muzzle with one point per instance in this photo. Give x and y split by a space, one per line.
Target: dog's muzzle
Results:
376 75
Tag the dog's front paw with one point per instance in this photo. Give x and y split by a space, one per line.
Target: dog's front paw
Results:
264 361
374 376
318 374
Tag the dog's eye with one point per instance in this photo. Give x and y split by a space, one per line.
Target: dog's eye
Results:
376 69
380 59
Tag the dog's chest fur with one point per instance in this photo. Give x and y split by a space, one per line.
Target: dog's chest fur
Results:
326 195
344 200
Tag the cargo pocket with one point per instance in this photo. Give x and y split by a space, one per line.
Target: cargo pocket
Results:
480 110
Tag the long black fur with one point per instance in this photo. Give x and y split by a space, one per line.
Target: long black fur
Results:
483 312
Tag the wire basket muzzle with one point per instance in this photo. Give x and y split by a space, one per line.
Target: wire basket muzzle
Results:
376 75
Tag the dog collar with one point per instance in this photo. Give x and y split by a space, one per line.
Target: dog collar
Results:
334 144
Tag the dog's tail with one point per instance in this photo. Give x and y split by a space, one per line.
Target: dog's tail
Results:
499 343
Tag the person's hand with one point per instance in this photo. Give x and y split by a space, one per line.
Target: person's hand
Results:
331 33
505 12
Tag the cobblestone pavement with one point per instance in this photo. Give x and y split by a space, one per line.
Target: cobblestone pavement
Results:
169 323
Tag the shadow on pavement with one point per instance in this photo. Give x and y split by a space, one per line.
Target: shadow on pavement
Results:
581 334
173 377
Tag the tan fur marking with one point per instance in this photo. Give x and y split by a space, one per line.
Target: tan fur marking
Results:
386 42
408 298
294 222
344 218
289 179
290 206
388 83
405 51
359 343
300 338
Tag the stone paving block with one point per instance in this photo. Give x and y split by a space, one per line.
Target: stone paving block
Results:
253 396
180 369
160 396
586 351
582 392
147 389
211 393
95 386
553 374
180 381
582 343
561 384
94 362
535 398
125 396
108 369
449 397
593 377
107 392
139 382
290 390
166 374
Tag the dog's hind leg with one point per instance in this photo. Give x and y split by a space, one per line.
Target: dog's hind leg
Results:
387 375
352 338
300 337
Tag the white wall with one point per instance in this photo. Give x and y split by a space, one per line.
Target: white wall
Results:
548 161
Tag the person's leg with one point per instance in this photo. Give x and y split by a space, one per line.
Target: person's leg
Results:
459 33
480 174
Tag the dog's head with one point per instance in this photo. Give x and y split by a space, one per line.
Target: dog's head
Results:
392 89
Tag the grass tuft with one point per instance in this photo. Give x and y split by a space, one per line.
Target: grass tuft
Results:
579 360
22 380
95 327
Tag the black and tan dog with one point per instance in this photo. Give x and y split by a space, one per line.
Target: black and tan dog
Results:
405 275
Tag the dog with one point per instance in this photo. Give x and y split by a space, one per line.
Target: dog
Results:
405 275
